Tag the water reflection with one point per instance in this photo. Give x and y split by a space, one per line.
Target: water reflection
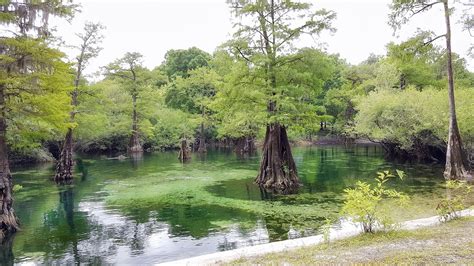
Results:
6 251
136 158
82 168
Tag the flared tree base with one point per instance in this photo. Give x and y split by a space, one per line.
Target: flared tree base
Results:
277 168
244 146
456 160
9 223
65 162
184 153
135 146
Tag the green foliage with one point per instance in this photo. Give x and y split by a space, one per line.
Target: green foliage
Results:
458 192
106 118
326 228
287 84
414 60
411 117
363 203
17 188
178 63
38 101
171 126
192 94
239 107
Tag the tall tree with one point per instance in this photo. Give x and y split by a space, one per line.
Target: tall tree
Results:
88 49
178 63
266 32
130 71
402 11
192 95
29 69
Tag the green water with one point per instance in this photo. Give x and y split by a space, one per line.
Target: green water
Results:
154 209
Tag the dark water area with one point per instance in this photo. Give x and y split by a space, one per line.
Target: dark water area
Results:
154 209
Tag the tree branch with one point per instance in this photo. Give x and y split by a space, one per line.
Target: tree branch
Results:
434 39
243 55
424 8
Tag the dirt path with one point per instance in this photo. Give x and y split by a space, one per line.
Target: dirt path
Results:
448 243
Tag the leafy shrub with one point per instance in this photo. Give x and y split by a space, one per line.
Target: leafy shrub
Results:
449 208
413 119
363 203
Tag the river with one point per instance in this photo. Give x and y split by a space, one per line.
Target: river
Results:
154 209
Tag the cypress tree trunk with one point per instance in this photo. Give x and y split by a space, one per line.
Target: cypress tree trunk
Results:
202 136
455 158
8 220
65 163
202 140
135 145
184 154
244 145
277 168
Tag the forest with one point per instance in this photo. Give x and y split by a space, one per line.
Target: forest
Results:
257 95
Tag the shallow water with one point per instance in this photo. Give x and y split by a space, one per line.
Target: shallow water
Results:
154 209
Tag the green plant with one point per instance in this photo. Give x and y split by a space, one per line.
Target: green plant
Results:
17 188
457 193
363 203
326 228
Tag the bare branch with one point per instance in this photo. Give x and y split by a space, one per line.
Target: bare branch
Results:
434 39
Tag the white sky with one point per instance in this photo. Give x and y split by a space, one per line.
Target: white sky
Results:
152 27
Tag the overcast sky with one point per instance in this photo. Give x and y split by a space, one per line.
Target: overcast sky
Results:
153 27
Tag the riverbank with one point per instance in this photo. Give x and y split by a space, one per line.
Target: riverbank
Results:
422 240
447 243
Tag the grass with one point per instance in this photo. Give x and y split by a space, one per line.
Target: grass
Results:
451 242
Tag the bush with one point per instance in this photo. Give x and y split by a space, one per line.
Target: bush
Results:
416 122
458 192
363 203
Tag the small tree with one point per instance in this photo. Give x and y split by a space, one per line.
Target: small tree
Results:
132 74
363 203
455 201
88 49
193 94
